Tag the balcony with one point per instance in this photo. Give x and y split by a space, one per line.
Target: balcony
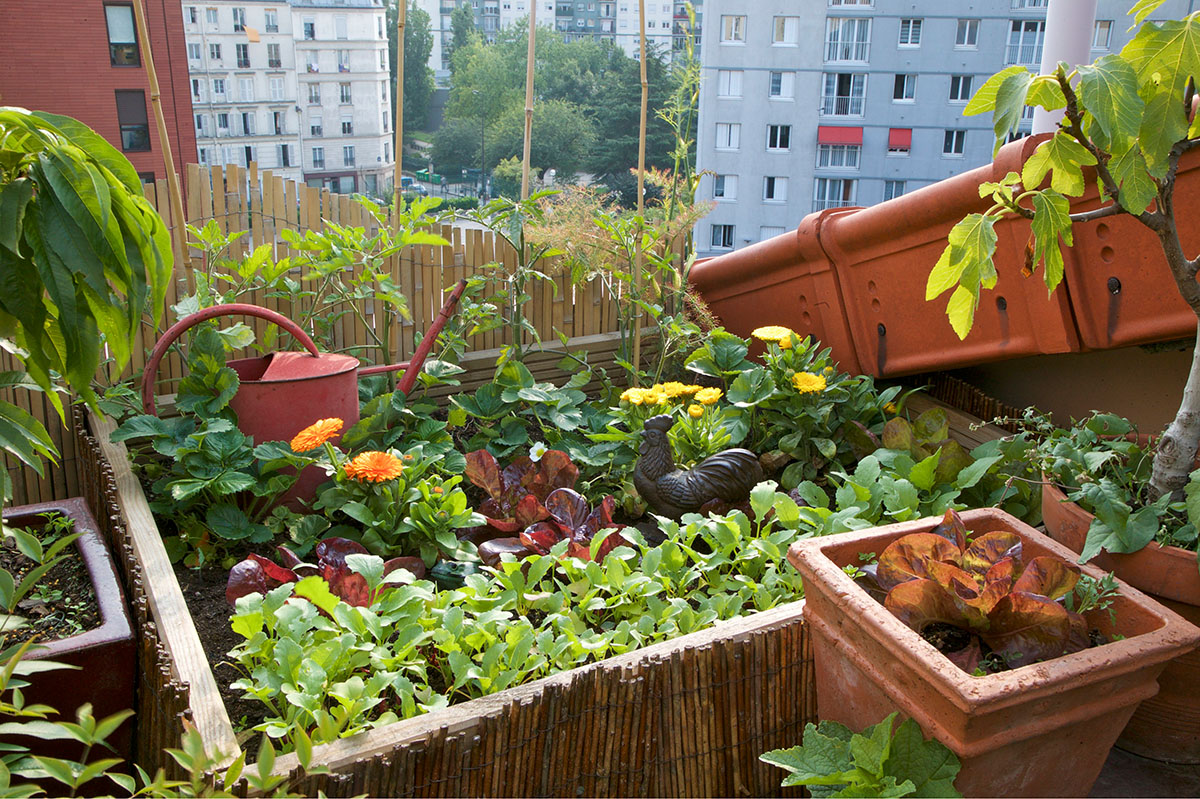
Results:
842 106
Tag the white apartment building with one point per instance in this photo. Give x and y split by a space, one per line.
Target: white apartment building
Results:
814 105
301 87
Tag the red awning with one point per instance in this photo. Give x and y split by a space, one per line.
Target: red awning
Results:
900 138
839 135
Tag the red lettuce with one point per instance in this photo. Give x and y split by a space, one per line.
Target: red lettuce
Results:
982 586
257 574
571 519
516 494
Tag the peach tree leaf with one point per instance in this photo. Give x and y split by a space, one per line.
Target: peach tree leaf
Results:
967 262
985 98
1144 8
1051 222
1167 53
1062 157
1109 90
1164 125
1132 175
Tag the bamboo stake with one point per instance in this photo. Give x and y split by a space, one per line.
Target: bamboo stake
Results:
529 58
641 186
401 19
178 232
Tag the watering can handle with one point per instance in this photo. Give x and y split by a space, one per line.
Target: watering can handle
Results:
231 309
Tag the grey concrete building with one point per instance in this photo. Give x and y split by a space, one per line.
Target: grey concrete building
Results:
813 104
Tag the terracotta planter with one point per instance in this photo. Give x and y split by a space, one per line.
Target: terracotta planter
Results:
785 280
1166 727
105 656
1039 730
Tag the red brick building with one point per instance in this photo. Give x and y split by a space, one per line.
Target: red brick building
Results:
81 58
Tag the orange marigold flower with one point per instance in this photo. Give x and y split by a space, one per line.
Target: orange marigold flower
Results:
316 434
375 467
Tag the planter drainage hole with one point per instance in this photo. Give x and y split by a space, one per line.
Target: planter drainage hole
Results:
1002 303
882 330
1114 286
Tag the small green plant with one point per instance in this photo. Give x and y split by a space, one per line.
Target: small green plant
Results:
45 549
436 509
885 759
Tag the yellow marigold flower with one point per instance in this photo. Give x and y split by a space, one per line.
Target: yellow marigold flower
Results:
375 467
658 398
708 396
695 411
785 343
692 389
828 371
673 389
889 407
316 434
808 383
634 395
772 333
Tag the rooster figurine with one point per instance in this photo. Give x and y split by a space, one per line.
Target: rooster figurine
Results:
729 475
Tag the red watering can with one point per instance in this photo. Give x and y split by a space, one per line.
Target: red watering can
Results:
283 392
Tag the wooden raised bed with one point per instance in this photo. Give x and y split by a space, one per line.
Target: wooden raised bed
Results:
687 717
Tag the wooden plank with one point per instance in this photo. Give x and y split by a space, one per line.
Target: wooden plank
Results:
206 207
218 198
175 626
968 430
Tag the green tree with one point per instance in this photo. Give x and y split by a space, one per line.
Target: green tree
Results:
506 179
456 146
562 136
462 29
617 112
418 77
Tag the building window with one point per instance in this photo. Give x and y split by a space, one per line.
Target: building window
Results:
960 88
131 115
250 153
786 31
722 237
383 64
312 61
272 20
203 155
775 189
201 125
833 193
310 28
1029 3
385 122
910 33
968 33
274 57
383 89
729 135
223 124
838 156
122 36
904 89
197 90
239 20
379 27
315 126
347 125
843 94
339 28
318 157
779 137
285 155
892 189
782 85
729 83
276 85
314 94
847 39
210 16
192 16
218 88
194 52
1025 42
214 51
899 141
1101 34
769 232
277 122
725 187
348 155
733 29
343 60
387 152
248 124
243 55
344 95
954 142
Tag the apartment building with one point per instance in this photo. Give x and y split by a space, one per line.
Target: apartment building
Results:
301 88
610 20
857 104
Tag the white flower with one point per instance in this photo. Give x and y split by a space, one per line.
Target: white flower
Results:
537 451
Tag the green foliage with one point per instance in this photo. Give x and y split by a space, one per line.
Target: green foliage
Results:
418 77
885 759
563 138
44 547
506 178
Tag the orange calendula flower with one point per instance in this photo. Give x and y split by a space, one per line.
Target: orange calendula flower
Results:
374 467
808 383
708 396
695 411
316 434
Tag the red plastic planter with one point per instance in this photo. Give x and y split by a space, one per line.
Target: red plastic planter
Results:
106 655
785 280
882 257
1039 730
1167 726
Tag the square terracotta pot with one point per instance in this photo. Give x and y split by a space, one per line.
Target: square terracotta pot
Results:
1039 730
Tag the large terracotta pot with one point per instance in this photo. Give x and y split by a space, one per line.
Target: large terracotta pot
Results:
1166 727
1039 730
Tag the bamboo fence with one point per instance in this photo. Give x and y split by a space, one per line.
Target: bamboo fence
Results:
262 205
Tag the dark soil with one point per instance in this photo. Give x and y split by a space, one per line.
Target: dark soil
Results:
61 605
946 638
204 591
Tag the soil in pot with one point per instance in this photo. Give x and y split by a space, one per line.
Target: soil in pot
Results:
61 604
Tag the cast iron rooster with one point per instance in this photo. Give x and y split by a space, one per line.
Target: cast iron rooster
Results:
672 492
